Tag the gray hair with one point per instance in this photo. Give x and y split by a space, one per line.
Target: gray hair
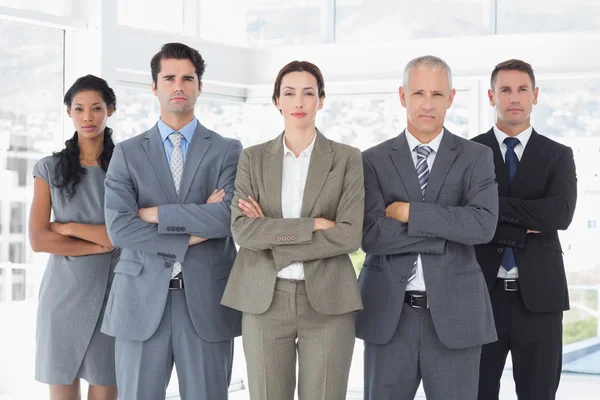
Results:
426 62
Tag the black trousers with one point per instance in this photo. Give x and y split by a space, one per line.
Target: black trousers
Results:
535 343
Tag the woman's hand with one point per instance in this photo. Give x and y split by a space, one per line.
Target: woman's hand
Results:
60 228
251 208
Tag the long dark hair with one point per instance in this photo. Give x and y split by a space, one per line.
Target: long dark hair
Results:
69 170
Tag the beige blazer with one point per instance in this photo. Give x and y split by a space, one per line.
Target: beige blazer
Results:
334 190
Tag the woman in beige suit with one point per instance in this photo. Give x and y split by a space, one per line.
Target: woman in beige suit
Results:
297 212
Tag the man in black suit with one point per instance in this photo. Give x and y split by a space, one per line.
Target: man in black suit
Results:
523 264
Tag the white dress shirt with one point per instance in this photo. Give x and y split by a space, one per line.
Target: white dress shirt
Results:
519 149
295 171
418 283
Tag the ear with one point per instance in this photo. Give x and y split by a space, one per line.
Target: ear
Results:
69 111
451 99
321 101
536 91
154 89
199 88
278 104
111 110
402 95
491 98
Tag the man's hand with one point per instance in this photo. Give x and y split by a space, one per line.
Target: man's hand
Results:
216 196
149 215
322 224
398 210
251 208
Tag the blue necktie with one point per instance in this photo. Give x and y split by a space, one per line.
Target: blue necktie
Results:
512 162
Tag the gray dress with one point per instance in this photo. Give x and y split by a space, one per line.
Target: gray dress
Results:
74 292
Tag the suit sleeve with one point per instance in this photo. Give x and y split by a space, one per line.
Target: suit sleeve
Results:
125 228
345 237
384 235
208 221
262 233
509 235
473 223
553 212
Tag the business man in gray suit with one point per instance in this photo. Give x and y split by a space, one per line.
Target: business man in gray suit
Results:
430 196
162 208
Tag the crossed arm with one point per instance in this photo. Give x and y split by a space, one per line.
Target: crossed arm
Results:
404 227
317 238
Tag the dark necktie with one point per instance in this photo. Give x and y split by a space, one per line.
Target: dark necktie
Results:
512 162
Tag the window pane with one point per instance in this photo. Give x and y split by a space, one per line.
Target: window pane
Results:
283 22
362 21
568 111
155 15
56 7
137 110
533 16
31 126
221 116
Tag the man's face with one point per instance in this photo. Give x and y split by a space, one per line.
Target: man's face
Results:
513 95
177 87
426 98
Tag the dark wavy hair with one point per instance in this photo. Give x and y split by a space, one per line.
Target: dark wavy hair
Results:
69 170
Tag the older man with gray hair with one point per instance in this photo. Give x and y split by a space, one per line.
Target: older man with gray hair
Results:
430 196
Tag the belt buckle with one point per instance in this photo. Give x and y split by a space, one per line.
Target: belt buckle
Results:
179 283
506 288
417 296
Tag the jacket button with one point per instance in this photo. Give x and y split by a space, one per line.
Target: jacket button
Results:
182 229
513 242
500 250
503 218
279 238
168 265
293 237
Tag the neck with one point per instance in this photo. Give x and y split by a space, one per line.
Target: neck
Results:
425 138
90 150
298 139
177 121
513 130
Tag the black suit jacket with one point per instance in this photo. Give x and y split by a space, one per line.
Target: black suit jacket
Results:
542 198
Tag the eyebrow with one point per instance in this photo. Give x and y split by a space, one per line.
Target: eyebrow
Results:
173 76
306 88
520 87
94 104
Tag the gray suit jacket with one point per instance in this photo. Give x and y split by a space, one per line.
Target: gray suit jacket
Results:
334 190
460 210
139 176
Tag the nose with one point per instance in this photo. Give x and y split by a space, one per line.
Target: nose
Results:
299 103
88 117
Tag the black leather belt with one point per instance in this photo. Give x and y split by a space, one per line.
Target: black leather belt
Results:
508 285
177 282
416 299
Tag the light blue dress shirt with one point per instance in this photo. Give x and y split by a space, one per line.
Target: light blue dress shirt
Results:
187 132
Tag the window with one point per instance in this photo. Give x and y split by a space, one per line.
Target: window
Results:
56 7
17 217
592 224
362 21
154 15
535 16
137 110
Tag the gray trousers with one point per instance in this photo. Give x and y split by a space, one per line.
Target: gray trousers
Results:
324 344
144 368
393 371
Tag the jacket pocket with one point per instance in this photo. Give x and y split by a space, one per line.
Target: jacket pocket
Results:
221 271
129 267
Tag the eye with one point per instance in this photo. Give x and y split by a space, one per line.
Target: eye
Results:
288 94
310 94
78 109
97 108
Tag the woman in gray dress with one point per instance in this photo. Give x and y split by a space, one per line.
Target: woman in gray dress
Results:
76 282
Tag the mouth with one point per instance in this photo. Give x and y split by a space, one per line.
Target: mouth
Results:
299 115
88 128
178 98
425 116
515 109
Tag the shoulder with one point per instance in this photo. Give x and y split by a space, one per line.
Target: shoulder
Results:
378 150
551 144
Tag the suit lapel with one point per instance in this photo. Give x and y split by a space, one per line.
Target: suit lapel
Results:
489 139
272 166
527 162
201 142
403 161
443 161
318 169
156 153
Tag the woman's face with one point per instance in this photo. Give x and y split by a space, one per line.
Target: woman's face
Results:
89 114
299 100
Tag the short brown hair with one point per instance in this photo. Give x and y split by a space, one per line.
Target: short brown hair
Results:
178 51
299 66
512 65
